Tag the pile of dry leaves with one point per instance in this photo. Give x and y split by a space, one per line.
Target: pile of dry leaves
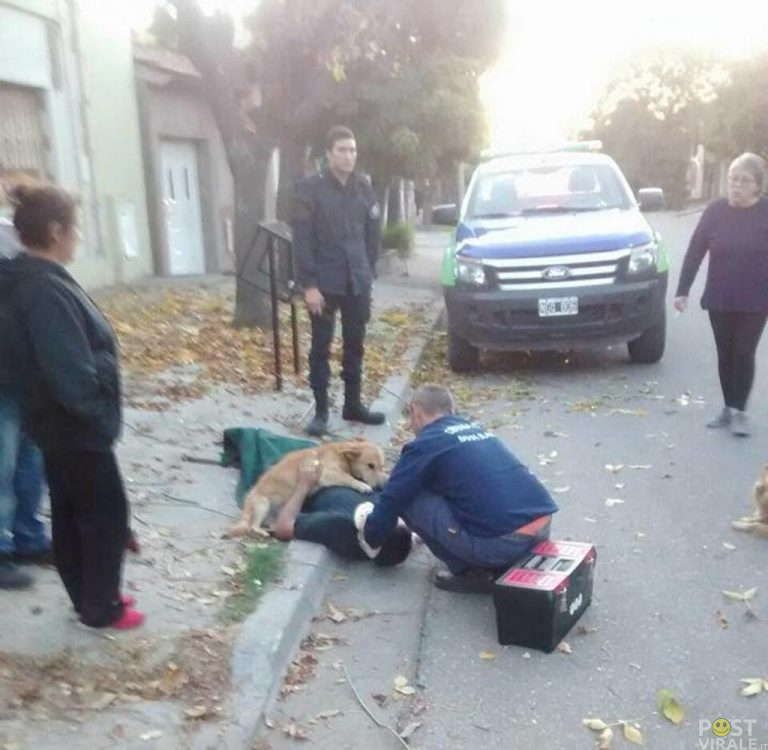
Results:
182 341
193 668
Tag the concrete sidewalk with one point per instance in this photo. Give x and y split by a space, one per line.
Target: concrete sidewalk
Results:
168 684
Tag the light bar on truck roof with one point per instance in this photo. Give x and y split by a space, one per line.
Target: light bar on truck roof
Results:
573 146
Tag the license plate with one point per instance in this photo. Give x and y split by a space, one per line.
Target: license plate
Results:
558 306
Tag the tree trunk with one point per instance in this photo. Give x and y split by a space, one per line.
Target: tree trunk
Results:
252 298
293 158
248 156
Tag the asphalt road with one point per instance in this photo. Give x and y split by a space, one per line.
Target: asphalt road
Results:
659 619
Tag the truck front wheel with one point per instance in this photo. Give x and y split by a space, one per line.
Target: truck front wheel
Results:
462 356
649 347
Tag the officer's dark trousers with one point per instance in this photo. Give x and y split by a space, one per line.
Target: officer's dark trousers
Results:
89 515
355 314
430 516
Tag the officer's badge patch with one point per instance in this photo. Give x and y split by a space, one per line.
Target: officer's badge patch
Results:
375 211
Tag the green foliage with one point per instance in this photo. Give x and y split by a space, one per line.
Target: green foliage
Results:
263 565
402 73
653 115
739 117
398 237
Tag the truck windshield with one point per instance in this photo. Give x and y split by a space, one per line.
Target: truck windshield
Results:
543 190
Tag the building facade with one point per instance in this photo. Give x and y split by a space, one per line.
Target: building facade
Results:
69 114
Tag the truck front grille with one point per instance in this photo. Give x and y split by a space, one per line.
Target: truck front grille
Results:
560 272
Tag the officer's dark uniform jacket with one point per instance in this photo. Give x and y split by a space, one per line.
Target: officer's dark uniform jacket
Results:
489 491
336 234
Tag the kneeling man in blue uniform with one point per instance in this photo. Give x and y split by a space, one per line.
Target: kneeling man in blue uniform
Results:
463 492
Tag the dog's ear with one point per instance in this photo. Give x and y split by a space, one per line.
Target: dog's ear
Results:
350 451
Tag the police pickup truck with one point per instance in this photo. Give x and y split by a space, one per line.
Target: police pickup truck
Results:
551 251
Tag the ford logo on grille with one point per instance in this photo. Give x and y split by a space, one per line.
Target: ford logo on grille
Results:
556 273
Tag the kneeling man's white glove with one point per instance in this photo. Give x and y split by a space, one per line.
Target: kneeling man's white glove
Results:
361 516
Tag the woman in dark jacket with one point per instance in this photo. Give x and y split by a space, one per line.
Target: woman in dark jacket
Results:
735 233
65 356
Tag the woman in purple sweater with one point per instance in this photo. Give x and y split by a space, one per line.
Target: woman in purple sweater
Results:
735 233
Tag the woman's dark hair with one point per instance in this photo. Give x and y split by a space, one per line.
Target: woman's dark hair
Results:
338 133
37 208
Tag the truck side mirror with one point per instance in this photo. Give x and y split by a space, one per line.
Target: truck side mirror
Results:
445 215
651 199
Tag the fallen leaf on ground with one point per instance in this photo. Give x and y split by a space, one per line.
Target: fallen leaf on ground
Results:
156 734
754 686
596 725
336 615
564 647
641 466
635 665
402 686
729 546
295 732
633 735
611 501
198 712
585 630
487 655
606 739
670 707
741 596
328 714
107 699
561 490
614 468
410 729
620 486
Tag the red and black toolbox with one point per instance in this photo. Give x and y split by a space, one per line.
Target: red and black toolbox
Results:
540 599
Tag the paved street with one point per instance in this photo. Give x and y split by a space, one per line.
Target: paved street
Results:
659 619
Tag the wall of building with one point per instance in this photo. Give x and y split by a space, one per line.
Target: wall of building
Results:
79 57
112 116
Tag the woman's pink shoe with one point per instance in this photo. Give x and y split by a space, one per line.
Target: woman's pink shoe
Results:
130 619
127 600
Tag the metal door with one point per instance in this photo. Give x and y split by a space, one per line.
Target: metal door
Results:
181 200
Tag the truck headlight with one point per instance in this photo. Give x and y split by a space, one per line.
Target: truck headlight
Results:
470 272
643 258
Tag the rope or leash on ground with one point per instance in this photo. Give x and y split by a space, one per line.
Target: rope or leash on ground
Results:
190 503
370 713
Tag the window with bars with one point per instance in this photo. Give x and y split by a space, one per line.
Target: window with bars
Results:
23 144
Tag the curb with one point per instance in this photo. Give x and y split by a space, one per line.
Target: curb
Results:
269 638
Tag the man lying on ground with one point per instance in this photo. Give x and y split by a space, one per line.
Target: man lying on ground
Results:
328 517
463 492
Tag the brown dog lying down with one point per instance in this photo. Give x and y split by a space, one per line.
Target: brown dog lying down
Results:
758 523
354 463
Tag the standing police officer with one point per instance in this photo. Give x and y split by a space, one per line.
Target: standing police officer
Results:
336 235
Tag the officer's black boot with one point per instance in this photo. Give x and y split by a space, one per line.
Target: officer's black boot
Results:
354 409
319 425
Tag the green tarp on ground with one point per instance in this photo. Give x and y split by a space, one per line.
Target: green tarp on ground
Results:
253 450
